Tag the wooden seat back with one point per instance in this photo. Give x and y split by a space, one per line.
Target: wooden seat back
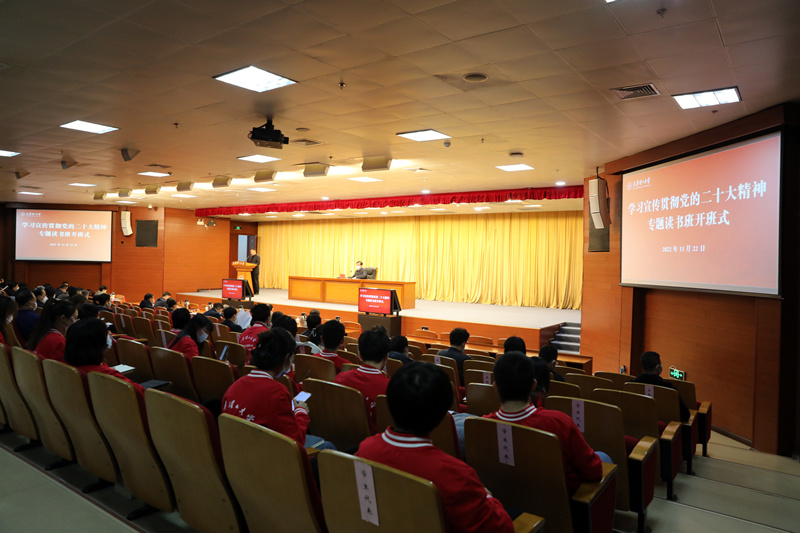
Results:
30 379
478 364
350 356
107 316
220 332
414 352
144 330
588 383
352 325
438 346
618 380
477 339
212 378
562 388
444 436
667 400
125 324
148 313
163 311
392 366
479 355
338 413
186 437
482 399
426 334
164 337
564 370
443 360
161 322
172 366
351 347
348 340
419 508
686 391
312 366
120 414
271 477
478 376
137 355
18 414
66 390
235 354
420 345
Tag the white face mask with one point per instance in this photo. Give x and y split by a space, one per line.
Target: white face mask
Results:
202 336
44 299
9 319
109 342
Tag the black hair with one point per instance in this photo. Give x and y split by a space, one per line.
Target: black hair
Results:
549 353
196 324
148 296
86 342
171 302
380 328
260 313
650 360
24 296
541 373
333 333
399 343
38 291
217 305
514 344
276 317
313 312
313 321
72 291
102 288
228 312
315 336
513 376
87 311
458 337
285 322
52 312
102 299
78 299
374 345
50 292
180 317
274 346
419 395
166 293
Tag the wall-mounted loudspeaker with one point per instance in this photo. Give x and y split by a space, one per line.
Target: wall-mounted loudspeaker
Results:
598 203
127 228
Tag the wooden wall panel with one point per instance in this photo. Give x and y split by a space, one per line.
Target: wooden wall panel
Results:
767 370
195 257
84 275
136 271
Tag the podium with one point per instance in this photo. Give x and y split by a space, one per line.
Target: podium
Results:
244 271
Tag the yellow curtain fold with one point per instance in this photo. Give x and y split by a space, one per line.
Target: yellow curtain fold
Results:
518 259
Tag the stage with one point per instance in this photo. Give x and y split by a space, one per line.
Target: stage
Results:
534 324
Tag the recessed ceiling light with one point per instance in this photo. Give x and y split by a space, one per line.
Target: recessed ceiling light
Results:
481 208
255 79
31 193
88 127
510 201
154 174
244 214
328 214
532 205
426 191
364 179
259 158
271 216
261 189
438 209
82 185
298 215
397 211
384 213
423 135
126 202
708 98
6 153
183 196
325 198
514 168
361 213
560 183
372 208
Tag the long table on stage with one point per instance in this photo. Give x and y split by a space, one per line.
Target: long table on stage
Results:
345 290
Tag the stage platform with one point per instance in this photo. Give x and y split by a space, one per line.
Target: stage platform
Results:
534 324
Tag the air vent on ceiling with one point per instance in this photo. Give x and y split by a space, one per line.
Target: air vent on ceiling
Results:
158 166
635 91
306 142
28 187
104 175
314 212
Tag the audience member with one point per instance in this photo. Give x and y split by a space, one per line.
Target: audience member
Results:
276 317
514 344
399 349
249 337
549 354
41 296
11 288
8 310
333 333
419 395
87 311
103 300
62 288
515 376
312 321
49 292
172 305
458 343
215 311
229 313
78 299
26 316
48 337
147 302
651 375
191 338
162 300
180 317
369 379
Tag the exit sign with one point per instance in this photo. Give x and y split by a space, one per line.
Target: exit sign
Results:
674 373
237 227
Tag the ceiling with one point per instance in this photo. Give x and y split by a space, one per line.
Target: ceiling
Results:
365 71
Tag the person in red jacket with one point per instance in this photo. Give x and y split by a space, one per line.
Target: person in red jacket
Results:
259 315
373 347
191 338
516 376
48 337
419 395
333 334
86 342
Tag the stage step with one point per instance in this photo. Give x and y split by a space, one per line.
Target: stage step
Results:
568 338
566 346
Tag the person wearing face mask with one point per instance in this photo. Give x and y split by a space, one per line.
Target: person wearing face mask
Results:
260 398
8 310
41 296
191 338
48 337
26 316
86 342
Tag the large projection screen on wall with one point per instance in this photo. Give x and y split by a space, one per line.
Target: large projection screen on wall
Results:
706 222
61 235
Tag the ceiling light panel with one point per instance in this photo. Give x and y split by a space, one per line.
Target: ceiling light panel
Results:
154 174
89 127
31 193
183 196
259 158
424 135
514 168
260 189
6 153
364 179
729 95
254 79
82 185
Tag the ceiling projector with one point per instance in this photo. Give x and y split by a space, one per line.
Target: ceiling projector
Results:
267 136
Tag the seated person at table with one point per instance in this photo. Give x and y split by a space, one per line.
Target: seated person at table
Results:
419 395
651 375
162 300
260 398
333 334
458 343
360 272
180 317
47 339
399 349
215 311
86 342
229 313
369 379
514 344
147 301
249 337
103 301
26 316
549 353
172 305
191 338
515 376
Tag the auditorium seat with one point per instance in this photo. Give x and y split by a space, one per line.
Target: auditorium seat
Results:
564 370
479 354
535 481
70 400
312 366
286 382
346 340
477 339
482 399
162 311
604 431
352 326
337 413
121 416
438 346
446 361
172 366
421 346
220 332
414 352
562 388
164 337
186 437
125 325
392 366
639 416
144 330
162 323
351 347
107 316
477 364
270 475
212 378
247 369
478 376
588 383
137 355
444 435
18 414
234 353
30 379
701 410
427 334
350 356
618 380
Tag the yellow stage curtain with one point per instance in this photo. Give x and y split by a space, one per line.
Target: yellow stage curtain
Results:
518 259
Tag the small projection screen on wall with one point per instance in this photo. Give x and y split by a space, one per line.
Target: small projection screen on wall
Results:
705 222
60 235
